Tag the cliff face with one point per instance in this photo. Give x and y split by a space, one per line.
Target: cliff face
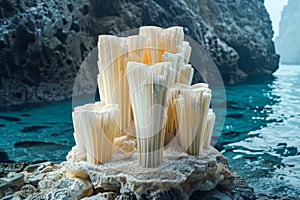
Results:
245 26
44 42
288 41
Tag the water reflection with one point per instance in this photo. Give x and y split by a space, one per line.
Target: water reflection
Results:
261 132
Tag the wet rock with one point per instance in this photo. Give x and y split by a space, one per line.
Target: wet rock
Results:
213 194
39 144
243 190
25 115
4 159
235 115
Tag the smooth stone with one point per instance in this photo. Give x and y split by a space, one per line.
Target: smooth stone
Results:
47 169
38 166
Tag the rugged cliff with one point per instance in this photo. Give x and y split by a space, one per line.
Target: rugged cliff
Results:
44 42
288 42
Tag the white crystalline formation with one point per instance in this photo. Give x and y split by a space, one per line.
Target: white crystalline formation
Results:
144 82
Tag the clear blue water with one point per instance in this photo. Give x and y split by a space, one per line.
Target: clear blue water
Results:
261 135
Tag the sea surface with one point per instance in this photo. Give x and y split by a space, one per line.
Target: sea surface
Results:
261 135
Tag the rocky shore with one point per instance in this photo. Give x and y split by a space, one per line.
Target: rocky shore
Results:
188 177
185 178
43 43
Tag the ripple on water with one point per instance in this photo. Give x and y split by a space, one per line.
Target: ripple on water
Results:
269 156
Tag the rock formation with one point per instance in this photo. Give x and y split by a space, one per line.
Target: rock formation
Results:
288 41
176 179
44 42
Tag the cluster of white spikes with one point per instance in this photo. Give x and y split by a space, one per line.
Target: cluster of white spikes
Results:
145 81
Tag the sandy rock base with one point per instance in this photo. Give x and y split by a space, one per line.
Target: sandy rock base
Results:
176 178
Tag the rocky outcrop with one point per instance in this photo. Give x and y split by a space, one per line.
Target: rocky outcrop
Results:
288 41
43 43
246 27
176 178
51 182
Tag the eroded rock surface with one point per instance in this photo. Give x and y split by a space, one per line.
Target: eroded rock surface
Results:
176 178
43 43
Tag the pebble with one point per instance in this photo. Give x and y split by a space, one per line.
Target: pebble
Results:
26 190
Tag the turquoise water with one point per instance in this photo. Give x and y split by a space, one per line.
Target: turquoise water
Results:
261 135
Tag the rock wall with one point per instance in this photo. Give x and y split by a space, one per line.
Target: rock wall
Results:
43 43
246 27
288 41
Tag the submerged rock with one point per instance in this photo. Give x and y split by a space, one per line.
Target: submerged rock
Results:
9 118
38 144
34 128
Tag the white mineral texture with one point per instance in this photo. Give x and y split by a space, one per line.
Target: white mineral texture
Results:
175 178
149 89
95 129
